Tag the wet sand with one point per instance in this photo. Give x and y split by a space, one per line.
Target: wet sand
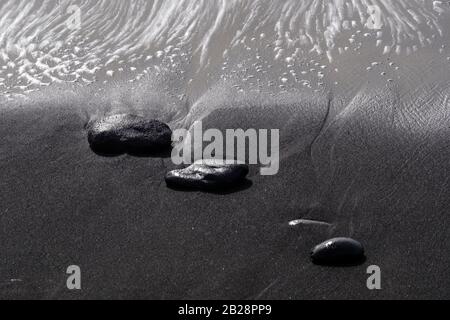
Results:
367 168
364 150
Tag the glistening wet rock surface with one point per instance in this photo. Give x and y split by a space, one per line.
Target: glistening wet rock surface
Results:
338 251
125 133
209 175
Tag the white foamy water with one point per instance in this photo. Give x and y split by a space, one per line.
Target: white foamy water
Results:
39 44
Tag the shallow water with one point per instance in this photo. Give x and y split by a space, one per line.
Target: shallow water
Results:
256 44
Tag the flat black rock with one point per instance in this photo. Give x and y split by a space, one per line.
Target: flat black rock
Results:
338 251
208 175
124 133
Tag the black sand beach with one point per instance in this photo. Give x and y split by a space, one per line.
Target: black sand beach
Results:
367 157
365 174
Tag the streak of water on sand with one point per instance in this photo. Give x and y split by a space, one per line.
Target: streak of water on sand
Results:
294 223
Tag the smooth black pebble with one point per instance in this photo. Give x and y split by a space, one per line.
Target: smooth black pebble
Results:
209 175
124 133
338 251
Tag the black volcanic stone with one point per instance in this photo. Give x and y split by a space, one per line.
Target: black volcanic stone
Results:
208 175
128 133
338 251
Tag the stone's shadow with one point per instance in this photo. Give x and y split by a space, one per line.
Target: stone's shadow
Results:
143 153
243 185
341 263
134 152
107 154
